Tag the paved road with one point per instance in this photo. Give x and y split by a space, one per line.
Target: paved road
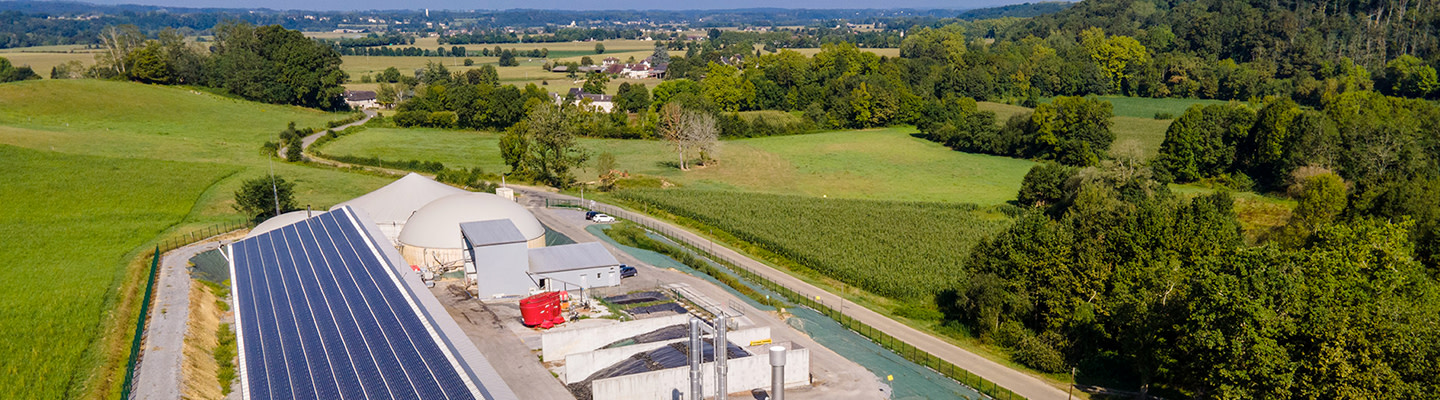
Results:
159 376
1021 383
308 140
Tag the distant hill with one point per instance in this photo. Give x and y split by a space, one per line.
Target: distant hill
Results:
1026 10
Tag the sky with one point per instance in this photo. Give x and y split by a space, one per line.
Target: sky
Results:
332 5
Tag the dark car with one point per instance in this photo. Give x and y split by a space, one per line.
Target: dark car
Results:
627 271
591 215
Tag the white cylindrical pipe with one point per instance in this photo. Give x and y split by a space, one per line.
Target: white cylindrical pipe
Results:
777 372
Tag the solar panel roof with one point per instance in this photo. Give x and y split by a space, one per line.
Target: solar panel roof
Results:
322 313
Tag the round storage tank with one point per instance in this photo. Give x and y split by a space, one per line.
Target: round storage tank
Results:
431 237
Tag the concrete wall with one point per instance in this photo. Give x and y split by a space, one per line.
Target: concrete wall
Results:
502 270
581 365
556 344
745 374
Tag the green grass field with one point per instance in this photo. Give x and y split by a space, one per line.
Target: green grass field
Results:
1137 132
100 171
69 222
870 164
1145 107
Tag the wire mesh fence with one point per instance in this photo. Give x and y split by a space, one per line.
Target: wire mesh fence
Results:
164 246
902 348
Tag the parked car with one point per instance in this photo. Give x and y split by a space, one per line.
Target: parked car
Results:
589 215
627 271
602 218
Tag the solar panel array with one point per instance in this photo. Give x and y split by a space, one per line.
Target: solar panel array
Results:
322 316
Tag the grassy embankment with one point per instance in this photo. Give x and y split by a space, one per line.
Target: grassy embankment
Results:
96 173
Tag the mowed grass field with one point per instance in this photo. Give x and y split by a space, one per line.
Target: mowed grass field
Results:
887 163
98 172
1137 132
43 61
67 225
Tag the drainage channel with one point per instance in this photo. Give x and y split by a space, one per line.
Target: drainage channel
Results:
912 381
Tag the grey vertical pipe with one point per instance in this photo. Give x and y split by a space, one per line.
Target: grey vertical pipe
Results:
696 356
777 372
722 357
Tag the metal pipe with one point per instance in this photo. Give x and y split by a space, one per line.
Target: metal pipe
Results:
777 372
696 356
722 357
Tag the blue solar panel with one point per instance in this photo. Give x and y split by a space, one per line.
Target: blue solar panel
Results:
322 316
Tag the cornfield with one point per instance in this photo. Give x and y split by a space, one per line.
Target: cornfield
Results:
903 250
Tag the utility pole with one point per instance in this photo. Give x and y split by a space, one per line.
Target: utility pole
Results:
274 188
1071 393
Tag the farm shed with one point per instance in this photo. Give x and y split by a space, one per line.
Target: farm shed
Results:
324 309
496 251
278 221
575 266
500 263
429 238
392 205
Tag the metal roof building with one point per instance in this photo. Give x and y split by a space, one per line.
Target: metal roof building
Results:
325 308
576 266
500 264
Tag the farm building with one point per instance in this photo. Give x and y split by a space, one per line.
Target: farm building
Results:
431 237
499 244
325 309
361 99
500 263
278 221
391 206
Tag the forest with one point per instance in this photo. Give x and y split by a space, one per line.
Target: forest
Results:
269 63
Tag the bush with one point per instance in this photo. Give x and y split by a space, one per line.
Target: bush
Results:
406 119
225 352
473 178
443 119
919 312
1039 353
1164 115
293 153
1044 184
259 197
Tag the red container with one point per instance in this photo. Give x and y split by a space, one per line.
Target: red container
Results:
540 308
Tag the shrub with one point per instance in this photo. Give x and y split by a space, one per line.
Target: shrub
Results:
919 312
406 119
1164 115
294 153
443 119
1038 354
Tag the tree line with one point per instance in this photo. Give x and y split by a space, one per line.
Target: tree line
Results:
267 63
551 35
1137 287
11 73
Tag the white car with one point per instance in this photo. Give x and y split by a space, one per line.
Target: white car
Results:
602 218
